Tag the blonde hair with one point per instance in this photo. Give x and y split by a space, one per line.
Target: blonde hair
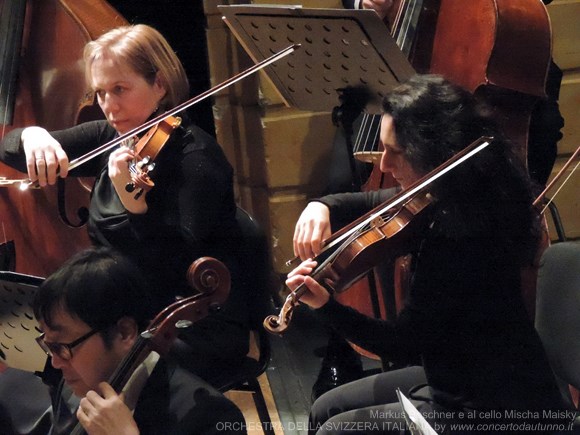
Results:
145 51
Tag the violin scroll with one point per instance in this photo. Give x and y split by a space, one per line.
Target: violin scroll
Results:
278 324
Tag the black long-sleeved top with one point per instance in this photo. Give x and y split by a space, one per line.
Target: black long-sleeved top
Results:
464 317
191 213
172 401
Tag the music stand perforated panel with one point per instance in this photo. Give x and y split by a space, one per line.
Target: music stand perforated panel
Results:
338 48
18 326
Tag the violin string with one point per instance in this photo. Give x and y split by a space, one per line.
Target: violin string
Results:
368 136
559 188
367 132
358 140
557 177
322 265
407 28
120 374
403 30
377 131
369 146
397 21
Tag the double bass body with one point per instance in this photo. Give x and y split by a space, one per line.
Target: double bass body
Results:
49 90
500 50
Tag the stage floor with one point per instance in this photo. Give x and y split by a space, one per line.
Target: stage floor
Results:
288 381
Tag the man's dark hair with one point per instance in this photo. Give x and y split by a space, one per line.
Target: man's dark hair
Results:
98 286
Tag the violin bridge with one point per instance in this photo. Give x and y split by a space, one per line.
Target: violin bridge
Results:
377 222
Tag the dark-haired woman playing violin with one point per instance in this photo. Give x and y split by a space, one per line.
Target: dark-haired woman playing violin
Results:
464 316
190 211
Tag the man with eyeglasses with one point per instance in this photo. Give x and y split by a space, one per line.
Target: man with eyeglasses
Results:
91 312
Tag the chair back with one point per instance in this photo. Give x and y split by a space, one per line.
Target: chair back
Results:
257 279
256 268
558 312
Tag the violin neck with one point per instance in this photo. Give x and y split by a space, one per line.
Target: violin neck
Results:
134 358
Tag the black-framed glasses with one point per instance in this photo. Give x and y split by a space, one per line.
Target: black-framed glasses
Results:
62 350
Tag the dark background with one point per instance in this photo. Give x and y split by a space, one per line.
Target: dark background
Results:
183 24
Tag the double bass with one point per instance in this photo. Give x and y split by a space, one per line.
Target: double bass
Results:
42 83
499 50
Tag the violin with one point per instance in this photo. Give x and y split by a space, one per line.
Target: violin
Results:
211 278
146 151
386 230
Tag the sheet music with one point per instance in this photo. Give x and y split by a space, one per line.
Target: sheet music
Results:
415 420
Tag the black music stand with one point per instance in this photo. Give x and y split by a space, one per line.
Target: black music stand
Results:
345 55
340 48
18 326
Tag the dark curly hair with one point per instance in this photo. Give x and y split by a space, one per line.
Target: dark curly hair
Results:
490 195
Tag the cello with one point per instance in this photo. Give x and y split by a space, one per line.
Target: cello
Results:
210 279
43 84
499 50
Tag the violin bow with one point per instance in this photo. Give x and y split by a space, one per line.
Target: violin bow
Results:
26 183
401 197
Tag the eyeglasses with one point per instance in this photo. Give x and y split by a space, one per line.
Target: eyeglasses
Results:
62 350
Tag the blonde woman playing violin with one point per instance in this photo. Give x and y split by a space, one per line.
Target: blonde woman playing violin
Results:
190 211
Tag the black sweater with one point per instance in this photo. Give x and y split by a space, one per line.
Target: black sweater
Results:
464 317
